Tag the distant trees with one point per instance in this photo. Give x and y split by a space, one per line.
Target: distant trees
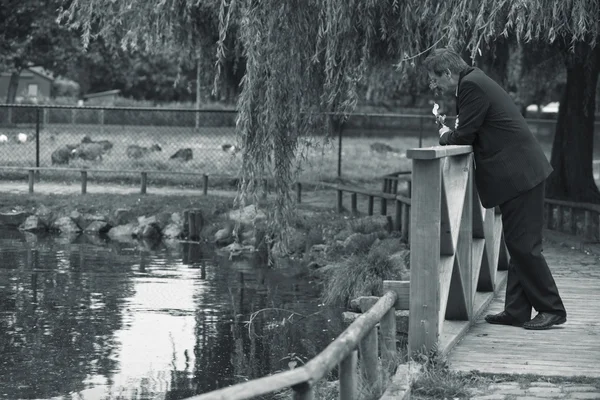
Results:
30 35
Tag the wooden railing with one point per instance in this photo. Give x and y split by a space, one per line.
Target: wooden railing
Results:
389 193
578 219
84 175
360 337
456 248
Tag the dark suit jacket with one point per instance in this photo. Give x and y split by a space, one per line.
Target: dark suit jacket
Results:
508 158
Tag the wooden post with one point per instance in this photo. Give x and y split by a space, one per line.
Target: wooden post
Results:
353 198
425 229
398 216
83 182
549 215
597 230
587 225
559 218
384 189
370 210
395 187
388 339
186 223
369 360
383 206
199 222
192 225
348 376
573 227
31 179
405 221
340 207
205 187
299 192
303 392
144 182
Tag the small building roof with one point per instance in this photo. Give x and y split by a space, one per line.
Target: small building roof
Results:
28 72
44 73
100 94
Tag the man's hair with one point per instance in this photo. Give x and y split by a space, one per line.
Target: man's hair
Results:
441 60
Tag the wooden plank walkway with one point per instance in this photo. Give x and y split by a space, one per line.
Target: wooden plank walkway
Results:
572 349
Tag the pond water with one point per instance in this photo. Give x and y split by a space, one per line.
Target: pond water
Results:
81 318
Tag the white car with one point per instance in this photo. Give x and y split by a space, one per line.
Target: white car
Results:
550 108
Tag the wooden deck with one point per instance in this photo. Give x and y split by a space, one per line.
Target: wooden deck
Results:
572 349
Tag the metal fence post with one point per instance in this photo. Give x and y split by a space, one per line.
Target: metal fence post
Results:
421 131
37 141
102 121
339 167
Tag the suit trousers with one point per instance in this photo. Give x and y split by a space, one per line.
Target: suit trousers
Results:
530 282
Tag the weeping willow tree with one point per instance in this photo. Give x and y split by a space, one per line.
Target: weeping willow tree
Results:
304 61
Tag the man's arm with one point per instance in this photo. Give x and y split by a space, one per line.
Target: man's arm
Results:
473 106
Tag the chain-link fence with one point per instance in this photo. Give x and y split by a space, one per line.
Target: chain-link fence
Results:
177 146
118 141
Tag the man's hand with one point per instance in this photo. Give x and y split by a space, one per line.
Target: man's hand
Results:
444 129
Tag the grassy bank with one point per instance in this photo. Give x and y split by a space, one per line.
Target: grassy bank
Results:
106 203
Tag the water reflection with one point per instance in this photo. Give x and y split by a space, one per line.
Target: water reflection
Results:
87 319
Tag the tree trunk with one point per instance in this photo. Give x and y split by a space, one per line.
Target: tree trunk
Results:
13 85
572 150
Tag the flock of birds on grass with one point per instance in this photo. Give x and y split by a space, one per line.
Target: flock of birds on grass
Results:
94 150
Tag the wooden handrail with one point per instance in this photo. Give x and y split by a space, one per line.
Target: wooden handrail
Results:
374 193
582 206
126 171
318 367
435 152
456 247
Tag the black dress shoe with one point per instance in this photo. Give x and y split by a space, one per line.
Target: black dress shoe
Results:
545 320
502 319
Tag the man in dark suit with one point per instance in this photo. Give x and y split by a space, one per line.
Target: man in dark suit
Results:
510 172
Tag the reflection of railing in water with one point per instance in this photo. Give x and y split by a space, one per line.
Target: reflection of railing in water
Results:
456 250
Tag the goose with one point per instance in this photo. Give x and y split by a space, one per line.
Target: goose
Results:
230 148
